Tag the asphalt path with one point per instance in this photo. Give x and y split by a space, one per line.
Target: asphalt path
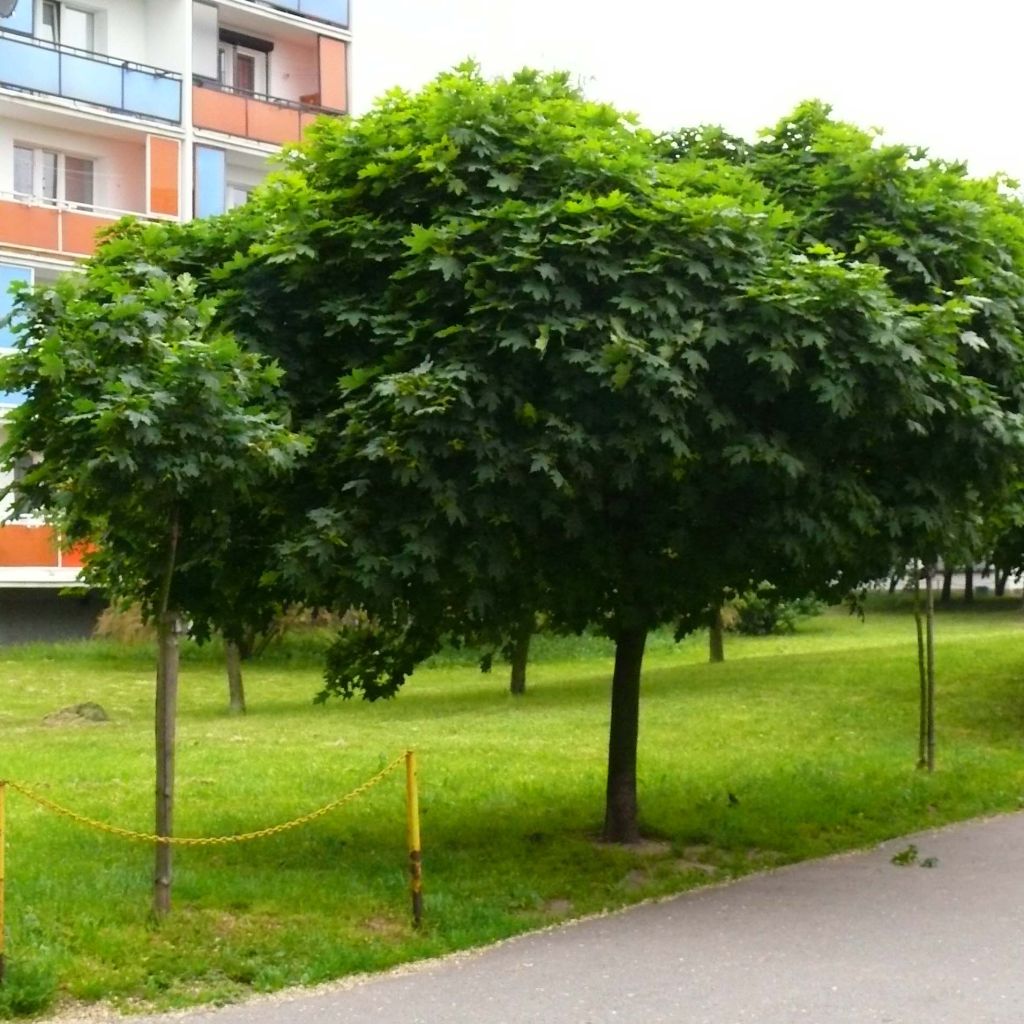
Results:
852 939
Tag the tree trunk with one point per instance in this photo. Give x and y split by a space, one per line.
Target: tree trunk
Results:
947 586
166 711
922 674
969 585
236 689
167 628
1002 577
520 657
716 636
930 665
894 582
620 817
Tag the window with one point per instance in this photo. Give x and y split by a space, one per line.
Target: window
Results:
78 180
242 68
236 196
24 170
69 26
47 174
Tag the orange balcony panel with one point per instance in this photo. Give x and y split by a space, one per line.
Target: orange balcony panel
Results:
73 558
163 175
36 226
333 74
270 123
218 111
306 120
27 545
78 231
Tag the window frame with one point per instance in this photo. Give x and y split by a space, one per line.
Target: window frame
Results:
228 54
39 155
54 33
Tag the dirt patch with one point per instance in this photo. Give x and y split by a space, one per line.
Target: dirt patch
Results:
557 908
641 848
682 865
385 927
87 713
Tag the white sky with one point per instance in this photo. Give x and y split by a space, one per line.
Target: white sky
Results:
947 74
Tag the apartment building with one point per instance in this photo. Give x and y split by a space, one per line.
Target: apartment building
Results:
163 109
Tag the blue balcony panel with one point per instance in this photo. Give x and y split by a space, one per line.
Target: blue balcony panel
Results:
82 78
155 95
28 66
75 74
335 11
211 181
20 19
9 273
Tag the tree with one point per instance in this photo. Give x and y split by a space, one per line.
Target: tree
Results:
940 235
549 370
155 434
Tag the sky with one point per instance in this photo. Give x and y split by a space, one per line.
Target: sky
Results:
943 74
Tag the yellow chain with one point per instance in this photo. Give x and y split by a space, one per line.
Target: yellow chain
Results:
148 837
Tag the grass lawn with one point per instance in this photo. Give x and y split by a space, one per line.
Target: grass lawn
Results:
814 734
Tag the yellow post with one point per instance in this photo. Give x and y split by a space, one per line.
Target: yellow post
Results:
412 806
3 837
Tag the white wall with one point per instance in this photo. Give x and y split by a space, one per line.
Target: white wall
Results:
119 172
146 31
294 70
166 29
204 40
245 171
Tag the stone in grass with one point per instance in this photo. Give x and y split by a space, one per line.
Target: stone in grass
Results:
87 713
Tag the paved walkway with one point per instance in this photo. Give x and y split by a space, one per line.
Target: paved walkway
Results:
849 940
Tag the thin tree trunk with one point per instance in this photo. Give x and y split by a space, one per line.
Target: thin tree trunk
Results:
520 657
166 712
930 665
1002 577
894 582
165 720
620 818
947 586
716 636
236 688
969 585
922 674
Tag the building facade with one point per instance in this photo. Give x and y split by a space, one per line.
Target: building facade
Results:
162 109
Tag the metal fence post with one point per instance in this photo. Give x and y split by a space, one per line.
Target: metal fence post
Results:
413 822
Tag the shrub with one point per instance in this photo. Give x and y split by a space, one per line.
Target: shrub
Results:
29 988
762 612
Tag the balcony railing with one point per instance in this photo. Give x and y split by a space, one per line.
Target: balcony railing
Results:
263 118
65 228
120 85
333 11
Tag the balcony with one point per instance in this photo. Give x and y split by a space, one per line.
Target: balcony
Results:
261 118
55 227
335 12
42 67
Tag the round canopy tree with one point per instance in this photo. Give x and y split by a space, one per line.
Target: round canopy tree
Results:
548 370
541 360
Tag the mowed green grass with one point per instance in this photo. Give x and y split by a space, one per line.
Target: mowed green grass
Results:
814 734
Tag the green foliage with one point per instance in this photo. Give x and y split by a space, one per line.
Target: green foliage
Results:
945 241
762 611
548 369
29 987
151 429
